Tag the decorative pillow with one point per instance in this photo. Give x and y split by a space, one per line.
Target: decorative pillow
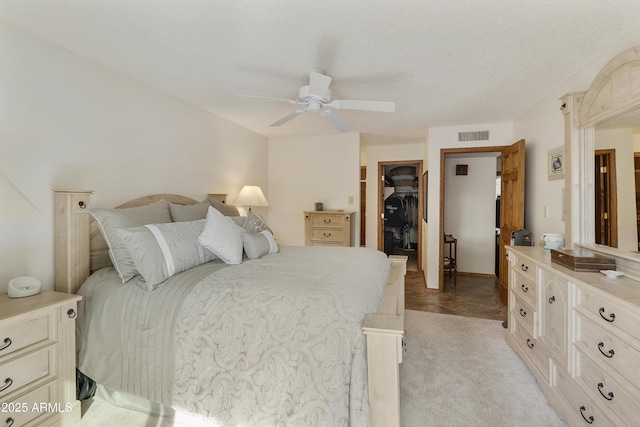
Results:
223 207
222 237
239 220
257 245
181 213
255 223
161 250
109 220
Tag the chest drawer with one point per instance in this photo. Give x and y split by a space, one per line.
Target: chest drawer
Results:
532 348
525 288
326 220
607 350
18 335
610 394
524 267
524 313
25 370
607 313
31 407
327 235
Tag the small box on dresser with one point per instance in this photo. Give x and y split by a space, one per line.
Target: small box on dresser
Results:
37 360
329 228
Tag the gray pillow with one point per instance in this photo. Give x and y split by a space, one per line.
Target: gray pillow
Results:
181 213
255 223
223 207
161 250
109 220
257 245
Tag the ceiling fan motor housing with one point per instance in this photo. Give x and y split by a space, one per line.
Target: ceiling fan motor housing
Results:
305 96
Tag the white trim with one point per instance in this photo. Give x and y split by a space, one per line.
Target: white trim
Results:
164 247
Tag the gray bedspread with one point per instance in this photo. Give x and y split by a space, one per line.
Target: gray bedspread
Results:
270 342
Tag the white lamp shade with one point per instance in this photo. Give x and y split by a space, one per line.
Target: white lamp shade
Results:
250 195
13 204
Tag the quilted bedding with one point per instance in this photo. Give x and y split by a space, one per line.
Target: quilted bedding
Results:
275 341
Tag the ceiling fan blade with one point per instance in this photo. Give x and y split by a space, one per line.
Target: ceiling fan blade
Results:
290 101
286 118
381 106
336 120
318 84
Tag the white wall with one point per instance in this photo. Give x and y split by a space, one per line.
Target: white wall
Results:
621 140
447 137
470 212
306 170
543 128
69 123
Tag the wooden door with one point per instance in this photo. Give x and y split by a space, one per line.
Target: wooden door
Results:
511 206
606 201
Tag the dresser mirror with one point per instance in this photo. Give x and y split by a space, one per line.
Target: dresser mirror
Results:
608 119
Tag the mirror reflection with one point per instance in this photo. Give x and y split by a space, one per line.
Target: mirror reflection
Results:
617 186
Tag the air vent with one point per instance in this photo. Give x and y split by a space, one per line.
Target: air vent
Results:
481 135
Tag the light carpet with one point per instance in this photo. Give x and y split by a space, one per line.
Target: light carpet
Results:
457 371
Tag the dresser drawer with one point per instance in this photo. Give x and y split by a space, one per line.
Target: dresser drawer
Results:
327 235
607 350
580 405
30 407
18 335
524 313
606 313
525 288
23 371
524 267
326 220
611 395
532 348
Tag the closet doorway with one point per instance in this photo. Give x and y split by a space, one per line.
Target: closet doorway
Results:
400 210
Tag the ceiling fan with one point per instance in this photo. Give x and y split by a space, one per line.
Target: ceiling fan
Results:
316 97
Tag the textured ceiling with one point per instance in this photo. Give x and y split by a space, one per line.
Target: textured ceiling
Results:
443 62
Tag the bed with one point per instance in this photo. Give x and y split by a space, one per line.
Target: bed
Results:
305 336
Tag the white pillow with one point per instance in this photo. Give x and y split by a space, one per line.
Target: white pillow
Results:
161 250
222 237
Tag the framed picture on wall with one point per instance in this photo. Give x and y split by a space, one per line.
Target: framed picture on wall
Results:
425 192
555 160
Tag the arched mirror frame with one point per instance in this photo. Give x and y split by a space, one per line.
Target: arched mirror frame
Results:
614 91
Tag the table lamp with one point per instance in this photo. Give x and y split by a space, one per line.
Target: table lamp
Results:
249 196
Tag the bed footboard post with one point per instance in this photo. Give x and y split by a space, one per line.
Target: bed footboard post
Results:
71 212
385 331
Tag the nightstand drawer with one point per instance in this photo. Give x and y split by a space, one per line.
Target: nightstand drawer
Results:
326 220
327 235
23 371
18 335
34 406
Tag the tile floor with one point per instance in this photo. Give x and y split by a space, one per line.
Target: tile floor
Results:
473 296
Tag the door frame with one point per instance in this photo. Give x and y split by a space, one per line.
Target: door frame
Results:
610 198
443 153
381 166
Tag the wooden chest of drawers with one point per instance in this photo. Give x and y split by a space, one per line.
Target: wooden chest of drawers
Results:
329 228
37 360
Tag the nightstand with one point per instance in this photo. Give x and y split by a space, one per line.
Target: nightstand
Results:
38 360
329 228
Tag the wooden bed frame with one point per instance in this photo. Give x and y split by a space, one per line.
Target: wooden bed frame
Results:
81 250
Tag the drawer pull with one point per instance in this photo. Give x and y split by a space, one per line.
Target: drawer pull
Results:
71 313
523 313
589 420
524 267
608 354
611 318
8 382
326 234
7 343
524 288
608 396
529 343
552 299
327 221
9 422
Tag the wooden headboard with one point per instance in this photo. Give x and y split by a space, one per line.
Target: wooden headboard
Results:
80 248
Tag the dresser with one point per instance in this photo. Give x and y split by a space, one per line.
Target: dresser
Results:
329 228
37 360
579 334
